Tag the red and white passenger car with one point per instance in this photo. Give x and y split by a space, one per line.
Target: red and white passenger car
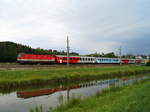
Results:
74 59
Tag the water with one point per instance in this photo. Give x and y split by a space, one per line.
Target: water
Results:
23 101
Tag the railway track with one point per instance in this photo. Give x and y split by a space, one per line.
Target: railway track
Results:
52 66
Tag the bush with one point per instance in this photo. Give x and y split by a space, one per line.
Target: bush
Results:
148 63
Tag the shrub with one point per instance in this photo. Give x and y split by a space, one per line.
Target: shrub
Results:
148 63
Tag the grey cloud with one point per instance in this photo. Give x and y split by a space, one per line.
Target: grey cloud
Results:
93 25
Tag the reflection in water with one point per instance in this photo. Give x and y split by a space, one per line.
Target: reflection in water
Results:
28 94
116 82
22 101
35 93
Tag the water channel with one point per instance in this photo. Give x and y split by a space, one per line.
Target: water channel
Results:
23 101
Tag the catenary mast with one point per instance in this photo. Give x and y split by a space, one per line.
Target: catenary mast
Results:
68 51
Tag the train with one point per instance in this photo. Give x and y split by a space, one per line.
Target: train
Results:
24 58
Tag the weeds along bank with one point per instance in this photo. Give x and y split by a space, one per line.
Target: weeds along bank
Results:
129 98
15 78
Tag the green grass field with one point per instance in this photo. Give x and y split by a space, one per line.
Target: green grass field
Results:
12 78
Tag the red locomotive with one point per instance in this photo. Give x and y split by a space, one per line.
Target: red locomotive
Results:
35 58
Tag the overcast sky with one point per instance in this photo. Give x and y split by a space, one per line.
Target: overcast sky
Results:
92 25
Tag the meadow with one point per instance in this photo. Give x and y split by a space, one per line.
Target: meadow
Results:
15 78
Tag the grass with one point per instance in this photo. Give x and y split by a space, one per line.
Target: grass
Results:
130 98
15 78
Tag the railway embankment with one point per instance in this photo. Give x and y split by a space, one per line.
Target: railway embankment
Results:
33 77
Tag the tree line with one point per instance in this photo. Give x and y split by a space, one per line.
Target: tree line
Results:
108 55
10 50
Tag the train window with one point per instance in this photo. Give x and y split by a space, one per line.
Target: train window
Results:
64 58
